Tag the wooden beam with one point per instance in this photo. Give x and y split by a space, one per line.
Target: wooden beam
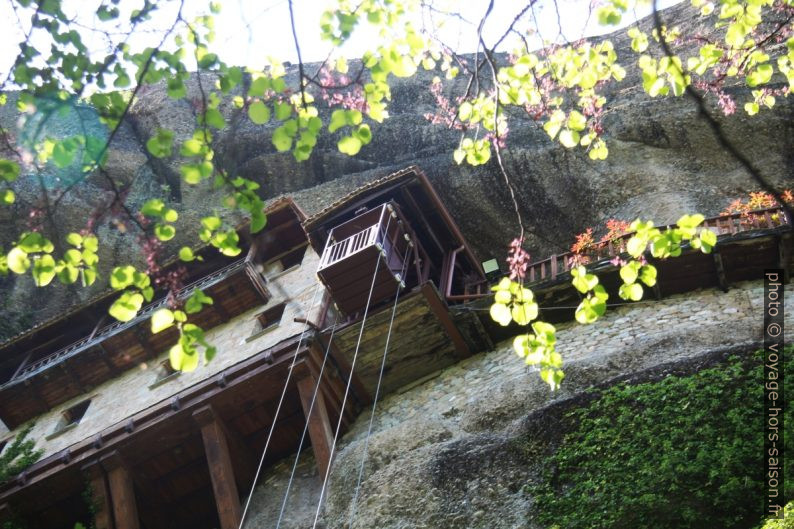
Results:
333 386
216 447
146 344
442 314
221 310
34 388
317 417
345 370
719 267
72 376
100 495
104 354
122 491
422 216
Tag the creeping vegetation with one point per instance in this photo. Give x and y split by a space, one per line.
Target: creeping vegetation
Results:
683 452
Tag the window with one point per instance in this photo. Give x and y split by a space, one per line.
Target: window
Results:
268 320
70 418
284 263
271 317
164 373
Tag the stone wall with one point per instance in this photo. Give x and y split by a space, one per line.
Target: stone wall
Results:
441 453
137 390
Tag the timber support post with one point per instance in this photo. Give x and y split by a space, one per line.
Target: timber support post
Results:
216 447
319 428
122 491
100 495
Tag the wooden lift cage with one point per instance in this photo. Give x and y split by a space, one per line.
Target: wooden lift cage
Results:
365 253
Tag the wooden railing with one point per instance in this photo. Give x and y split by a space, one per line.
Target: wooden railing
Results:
117 327
338 251
733 224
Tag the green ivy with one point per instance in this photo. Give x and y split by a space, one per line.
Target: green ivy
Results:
683 452
18 455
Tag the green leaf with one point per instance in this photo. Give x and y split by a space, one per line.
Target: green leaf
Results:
153 207
633 291
363 134
576 121
164 232
63 153
90 243
186 254
569 138
210 352
170 215
73 256
214 118
9 171
582 281
122 277
629 272
68 274
258 86
126 307
182 361
176 88
33 241
523 313
196 301
105 13
584 312
258 220
648 275
503 296
708 239
89 276
259 113
465 111
636 246
608 15
43 270
349 145
160 144
283 111
338 120
18 261
161 320
690 221
75 239
761 75
211 223
7 197
501 314
281 140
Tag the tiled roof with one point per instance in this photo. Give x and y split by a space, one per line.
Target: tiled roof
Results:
312 221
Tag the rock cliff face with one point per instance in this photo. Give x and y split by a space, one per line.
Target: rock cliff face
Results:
663 162
457 451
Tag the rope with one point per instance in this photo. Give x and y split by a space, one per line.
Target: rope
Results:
278 408
306 426
377 393
349 380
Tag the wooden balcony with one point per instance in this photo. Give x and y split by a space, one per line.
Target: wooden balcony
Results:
366 252
41 383
725 226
